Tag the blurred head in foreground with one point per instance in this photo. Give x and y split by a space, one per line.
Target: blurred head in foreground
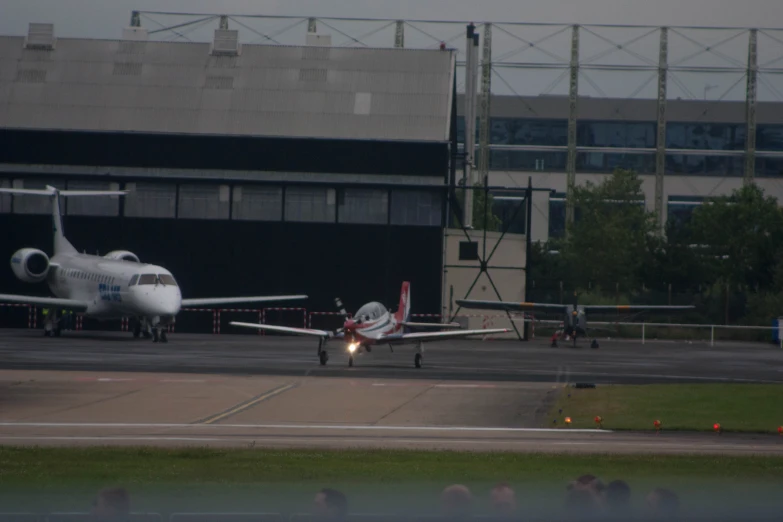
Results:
330 503
456 501
111 505
503 500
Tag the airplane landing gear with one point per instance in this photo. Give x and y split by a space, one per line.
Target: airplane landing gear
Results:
137 329
419 356
350 360
159 335
323 355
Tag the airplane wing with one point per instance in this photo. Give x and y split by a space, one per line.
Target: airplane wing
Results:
46 302
436 336
211 301
634 308
283 329
431 325
507 305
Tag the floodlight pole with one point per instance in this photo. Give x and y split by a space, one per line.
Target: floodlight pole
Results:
528 246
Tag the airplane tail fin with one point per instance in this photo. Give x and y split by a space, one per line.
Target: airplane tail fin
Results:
403 312
61 244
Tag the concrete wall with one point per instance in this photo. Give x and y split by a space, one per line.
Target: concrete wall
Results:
505 267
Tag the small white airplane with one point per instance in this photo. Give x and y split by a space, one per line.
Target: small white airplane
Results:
373 324
113 286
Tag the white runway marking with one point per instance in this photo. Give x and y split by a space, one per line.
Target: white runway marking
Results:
296 427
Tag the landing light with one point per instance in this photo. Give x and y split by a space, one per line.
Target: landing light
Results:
352 347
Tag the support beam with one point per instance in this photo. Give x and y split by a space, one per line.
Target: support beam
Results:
484 114
660 152
399 34
311 25
750 108
471 76
528 247
573 98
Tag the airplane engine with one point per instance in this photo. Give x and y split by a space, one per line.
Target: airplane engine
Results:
123 255
30 265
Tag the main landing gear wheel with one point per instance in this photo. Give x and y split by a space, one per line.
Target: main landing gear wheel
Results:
323 357
417 360
137 329
350 361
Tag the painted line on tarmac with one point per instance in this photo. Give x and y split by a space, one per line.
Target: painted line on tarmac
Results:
247 404
360 427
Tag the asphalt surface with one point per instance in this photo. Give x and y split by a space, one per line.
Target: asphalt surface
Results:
621 362
74 408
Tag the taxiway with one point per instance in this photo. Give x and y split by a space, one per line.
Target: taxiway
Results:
621 362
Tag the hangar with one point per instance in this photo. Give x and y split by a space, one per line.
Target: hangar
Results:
283 169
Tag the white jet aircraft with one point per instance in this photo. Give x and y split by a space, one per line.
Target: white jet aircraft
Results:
373 324
113 286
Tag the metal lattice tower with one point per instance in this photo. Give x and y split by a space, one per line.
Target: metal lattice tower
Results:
750 107
399 34
573 99
486 91
660 152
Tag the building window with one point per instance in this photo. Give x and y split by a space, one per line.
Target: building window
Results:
37 204
769 137
310 204
258 203
155 200
707 136
95 206
468 251
705 165
204 201
511 208
368 206
605 162
416 207
679 209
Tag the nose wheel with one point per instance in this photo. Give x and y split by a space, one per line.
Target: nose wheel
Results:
417 360
159 335
350 360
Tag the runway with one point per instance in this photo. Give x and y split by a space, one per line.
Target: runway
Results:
620 362
86 408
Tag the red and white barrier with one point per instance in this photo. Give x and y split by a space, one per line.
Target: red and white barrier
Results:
310 317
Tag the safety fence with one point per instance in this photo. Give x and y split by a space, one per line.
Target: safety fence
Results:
667 331
281 316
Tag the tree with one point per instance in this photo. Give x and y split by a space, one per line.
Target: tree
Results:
492 222
609 239
743 232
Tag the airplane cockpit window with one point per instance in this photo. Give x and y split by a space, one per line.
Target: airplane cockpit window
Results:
167 279
369 312
148 279
134 280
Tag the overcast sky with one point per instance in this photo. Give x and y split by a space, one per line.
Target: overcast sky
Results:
101 18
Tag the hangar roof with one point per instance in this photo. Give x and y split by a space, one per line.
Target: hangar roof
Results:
263 90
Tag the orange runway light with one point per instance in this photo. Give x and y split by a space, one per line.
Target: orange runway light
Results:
780 430
716 427
568 421
599 421
657 425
